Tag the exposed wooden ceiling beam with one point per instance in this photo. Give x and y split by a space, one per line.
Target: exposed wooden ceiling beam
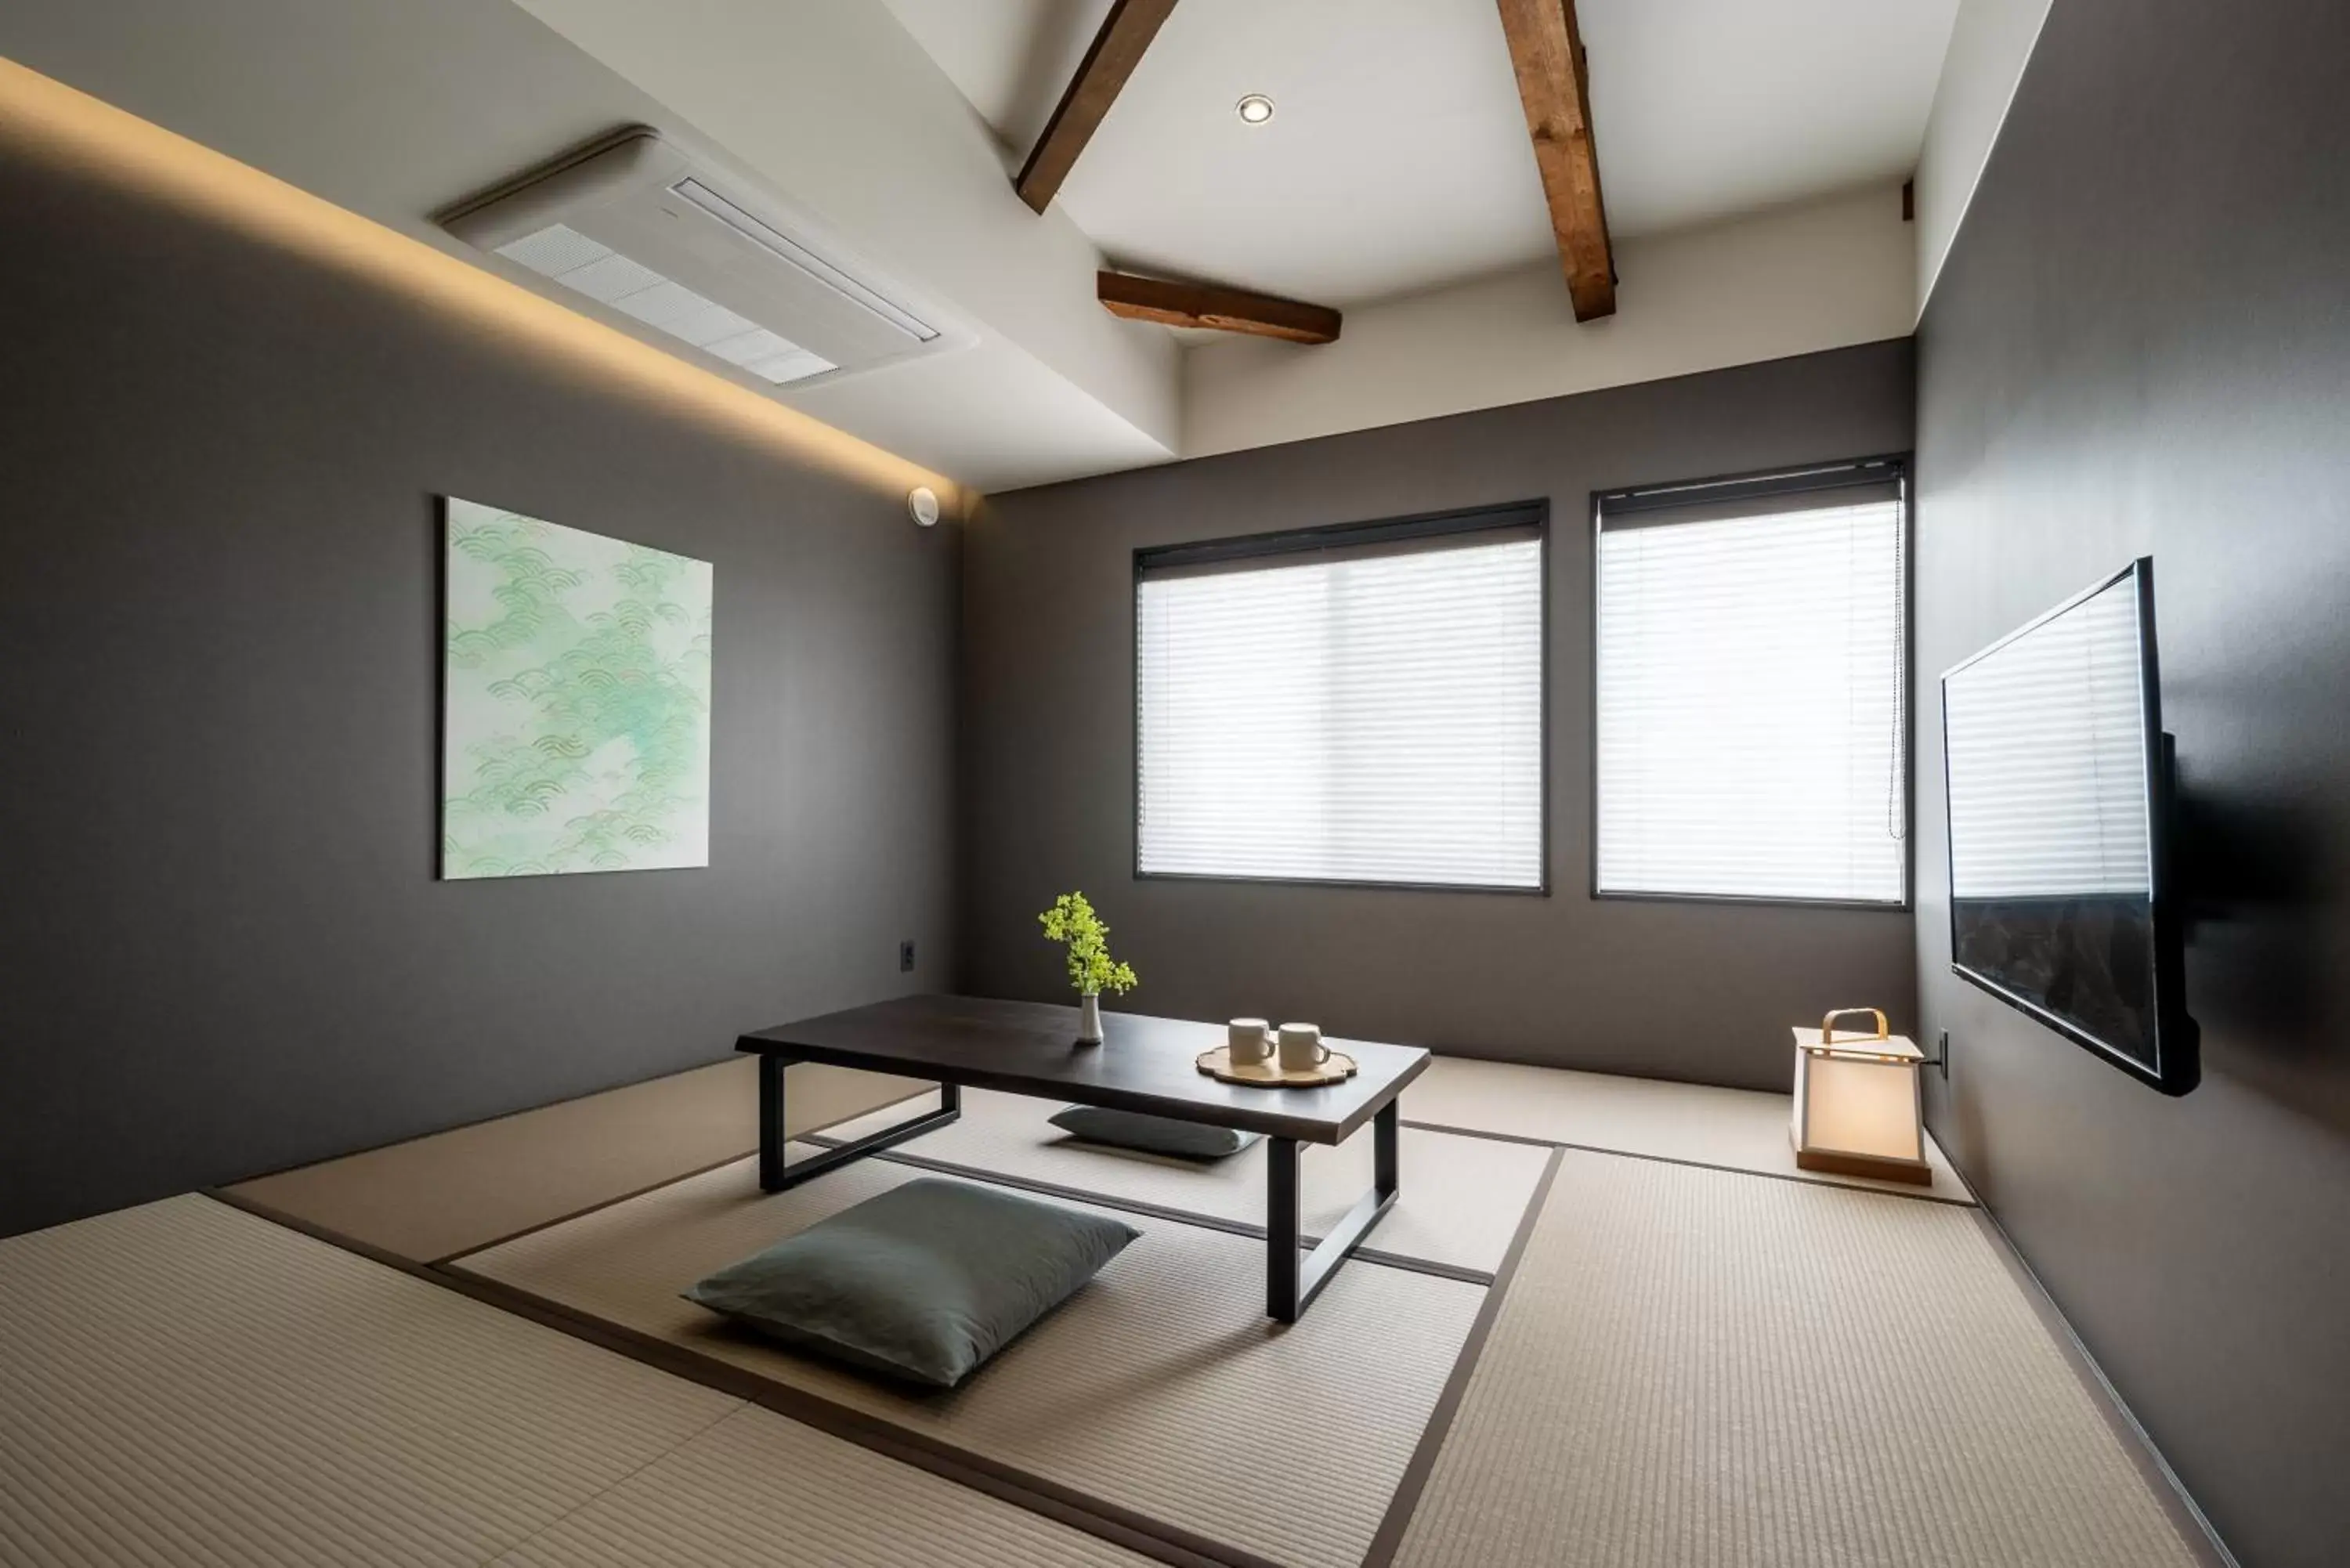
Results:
1546 50
1116 49
1224 309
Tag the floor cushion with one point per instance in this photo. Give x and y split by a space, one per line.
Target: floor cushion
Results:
924 1282
1153 1135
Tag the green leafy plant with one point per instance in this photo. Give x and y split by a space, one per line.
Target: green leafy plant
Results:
1071 920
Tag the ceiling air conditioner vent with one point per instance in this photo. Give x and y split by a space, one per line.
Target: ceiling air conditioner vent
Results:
644 228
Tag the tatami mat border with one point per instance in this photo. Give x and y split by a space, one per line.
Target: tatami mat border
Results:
587 1209
1414 1479
1168 1543
318 1233
1162 1211
813 1134
1694 1164
1105 1520
1097 1516
1108 1520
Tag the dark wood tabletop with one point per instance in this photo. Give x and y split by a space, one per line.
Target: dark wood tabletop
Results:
1144 1064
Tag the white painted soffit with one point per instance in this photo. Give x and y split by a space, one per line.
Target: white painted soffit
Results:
1991 44
1822 275
840 109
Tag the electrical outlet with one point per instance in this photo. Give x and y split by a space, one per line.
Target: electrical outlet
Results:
905 957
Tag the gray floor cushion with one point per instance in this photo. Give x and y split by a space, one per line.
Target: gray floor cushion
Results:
924 1282
1153 1135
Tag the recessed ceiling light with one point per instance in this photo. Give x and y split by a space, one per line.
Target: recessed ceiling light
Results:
1256 108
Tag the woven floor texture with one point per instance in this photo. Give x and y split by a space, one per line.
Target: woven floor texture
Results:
186 1384
182 1382
466 1188
1689 1367
1151 1388
759 1491
1693 1367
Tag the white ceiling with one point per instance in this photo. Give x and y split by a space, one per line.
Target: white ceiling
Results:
1396 159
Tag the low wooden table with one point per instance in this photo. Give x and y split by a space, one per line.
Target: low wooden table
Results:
1147 1064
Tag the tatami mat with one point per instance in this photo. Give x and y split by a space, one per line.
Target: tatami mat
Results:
759 1491
1688 1367
1146 1390
439 1196
182 1382
1460 1203
1694 1367
1738 1130
436 1196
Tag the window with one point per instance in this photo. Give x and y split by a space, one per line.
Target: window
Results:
1353 705
1753 730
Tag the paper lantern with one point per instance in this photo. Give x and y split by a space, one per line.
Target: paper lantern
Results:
1859 1107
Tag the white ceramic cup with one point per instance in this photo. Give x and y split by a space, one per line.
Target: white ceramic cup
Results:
1249 1041
1302 1050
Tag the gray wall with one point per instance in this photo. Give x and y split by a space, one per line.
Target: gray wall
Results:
222 945
1687 991
2142 345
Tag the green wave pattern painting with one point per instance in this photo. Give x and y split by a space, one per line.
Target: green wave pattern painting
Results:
576 700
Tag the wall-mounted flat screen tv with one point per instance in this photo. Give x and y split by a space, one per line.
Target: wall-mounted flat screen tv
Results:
2060 790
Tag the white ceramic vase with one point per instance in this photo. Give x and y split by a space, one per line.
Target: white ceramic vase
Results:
1089 1019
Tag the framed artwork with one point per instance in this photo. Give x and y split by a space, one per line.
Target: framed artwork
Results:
575 701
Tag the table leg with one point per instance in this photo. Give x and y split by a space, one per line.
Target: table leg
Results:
1292 1279
771 1123
775 1174
1281 1227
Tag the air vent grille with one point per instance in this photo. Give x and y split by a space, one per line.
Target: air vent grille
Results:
587 266
785 249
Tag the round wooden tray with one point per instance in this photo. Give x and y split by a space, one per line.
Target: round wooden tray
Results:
1267 1074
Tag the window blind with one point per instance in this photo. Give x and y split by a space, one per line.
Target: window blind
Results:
1369 713
1751 716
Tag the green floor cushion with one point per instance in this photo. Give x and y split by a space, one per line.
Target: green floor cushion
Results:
1153 1135
924 1282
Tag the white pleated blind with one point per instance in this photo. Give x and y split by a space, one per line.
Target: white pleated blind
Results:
1751 725
1375 718
2047 742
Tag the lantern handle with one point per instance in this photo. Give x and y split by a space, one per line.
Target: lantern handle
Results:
1827 1024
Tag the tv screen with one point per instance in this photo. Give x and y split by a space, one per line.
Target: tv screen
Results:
2059 800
